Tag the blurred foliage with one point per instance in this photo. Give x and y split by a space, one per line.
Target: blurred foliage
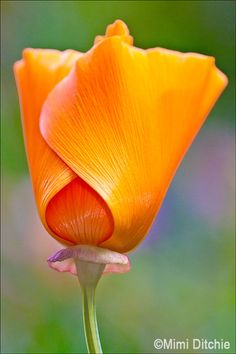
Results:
182 279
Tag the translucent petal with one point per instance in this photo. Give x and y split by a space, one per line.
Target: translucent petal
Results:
79 214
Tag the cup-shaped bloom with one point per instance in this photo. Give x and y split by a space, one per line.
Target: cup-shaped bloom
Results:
106 130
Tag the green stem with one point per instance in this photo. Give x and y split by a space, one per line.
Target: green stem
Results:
89 275
90 321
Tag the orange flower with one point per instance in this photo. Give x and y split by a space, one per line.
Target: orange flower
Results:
106 130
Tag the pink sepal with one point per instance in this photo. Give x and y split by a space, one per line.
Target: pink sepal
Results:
63 260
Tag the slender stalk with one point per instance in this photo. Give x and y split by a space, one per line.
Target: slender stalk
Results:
89 275
90 321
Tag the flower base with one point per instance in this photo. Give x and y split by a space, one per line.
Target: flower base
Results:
89 263
65 260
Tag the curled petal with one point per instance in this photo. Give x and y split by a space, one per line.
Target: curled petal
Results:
63 260
79 214
123 119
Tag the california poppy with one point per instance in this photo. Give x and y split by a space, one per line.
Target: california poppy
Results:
105 132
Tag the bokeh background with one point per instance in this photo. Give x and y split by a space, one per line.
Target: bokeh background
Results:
182 279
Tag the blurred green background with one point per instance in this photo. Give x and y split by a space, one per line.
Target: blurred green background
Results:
182 280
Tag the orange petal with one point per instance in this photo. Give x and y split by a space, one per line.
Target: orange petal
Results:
79 214
188 86
118 28
123 119
36 75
